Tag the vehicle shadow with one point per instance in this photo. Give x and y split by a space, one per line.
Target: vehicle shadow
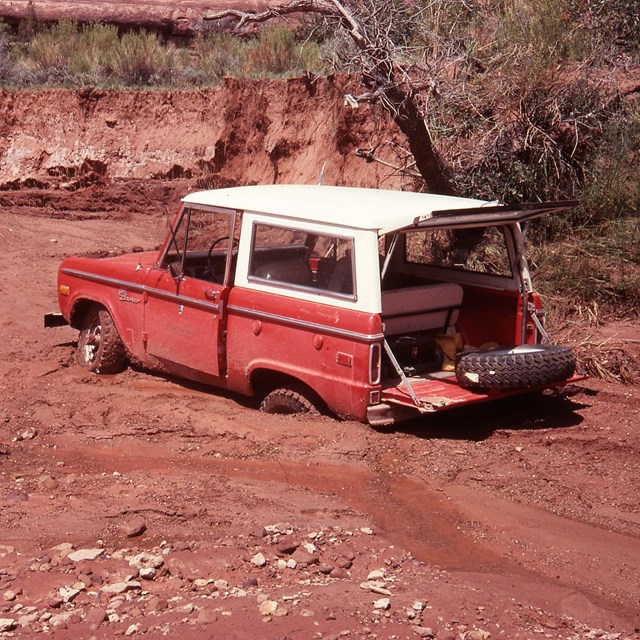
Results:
534 411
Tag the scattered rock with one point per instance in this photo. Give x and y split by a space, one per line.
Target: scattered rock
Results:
95 617
424 632
121 587
133 528
268 607
85 554
7 624
375 587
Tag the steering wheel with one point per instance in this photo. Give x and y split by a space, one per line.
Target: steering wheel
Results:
210 267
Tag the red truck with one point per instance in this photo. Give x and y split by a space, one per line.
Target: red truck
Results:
376 305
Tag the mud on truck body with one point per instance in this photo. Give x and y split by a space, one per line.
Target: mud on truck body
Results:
377 305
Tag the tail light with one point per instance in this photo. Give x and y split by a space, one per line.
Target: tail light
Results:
375 363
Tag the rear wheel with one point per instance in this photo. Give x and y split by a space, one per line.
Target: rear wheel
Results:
100 348
289 400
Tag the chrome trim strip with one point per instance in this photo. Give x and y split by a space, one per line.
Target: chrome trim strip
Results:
141 288
343 333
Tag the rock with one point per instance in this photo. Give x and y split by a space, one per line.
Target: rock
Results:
382 603
424 632
301 556
376 574
339 573
344 563
291 563
148 573
477 634
259 532
85 554
287 546
120 587
207 616
145 560
250 582
131 629
325 569
95 617
367 530
375 587
258 560
7 624
281 564
417 606
268 607
157 604
134 527
49 483
68 594
9 595
55 603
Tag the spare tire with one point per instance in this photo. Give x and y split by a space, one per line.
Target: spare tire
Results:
526 365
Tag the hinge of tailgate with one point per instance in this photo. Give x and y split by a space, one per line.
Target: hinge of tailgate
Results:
401 373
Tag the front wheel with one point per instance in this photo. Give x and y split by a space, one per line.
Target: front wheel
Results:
289 400
100 348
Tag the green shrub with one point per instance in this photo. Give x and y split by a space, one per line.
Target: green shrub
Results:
217 55
142 59
278 52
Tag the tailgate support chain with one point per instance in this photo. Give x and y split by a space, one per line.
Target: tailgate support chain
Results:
401 373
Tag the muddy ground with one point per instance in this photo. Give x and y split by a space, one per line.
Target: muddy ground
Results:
138 505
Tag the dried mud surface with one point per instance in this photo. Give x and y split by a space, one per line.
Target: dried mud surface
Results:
139 505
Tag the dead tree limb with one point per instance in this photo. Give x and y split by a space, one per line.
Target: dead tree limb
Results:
387 81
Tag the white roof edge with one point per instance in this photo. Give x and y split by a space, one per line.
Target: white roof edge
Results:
361 208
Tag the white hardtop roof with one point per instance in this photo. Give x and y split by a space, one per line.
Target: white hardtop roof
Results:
373 209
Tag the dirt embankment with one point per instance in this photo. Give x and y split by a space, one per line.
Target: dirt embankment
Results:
239 133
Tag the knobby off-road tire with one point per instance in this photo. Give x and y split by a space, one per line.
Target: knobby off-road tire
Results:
100 348
289 400
515 368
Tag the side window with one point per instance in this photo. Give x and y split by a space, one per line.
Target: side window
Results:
481 250
304 259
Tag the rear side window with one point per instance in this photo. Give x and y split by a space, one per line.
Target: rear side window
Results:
293 257
481 250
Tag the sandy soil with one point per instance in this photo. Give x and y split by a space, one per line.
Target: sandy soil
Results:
140 505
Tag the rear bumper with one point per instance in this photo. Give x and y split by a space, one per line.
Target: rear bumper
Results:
54 320
439 395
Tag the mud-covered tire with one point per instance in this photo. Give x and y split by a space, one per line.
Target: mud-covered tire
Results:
517 367
100 348
290 400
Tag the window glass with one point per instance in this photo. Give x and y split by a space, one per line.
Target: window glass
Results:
482 250
301 258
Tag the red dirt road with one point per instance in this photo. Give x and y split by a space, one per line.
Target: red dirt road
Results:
518 520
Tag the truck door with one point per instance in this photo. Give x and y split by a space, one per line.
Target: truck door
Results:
186 294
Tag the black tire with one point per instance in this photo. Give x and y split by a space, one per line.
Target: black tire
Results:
289 400
516 367
100 348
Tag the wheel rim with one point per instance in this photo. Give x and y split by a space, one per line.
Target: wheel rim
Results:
91 342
